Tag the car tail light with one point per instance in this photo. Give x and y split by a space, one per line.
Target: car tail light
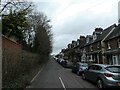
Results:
80 69
108 74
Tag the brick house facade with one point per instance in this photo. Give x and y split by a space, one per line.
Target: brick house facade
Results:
103 46
112 47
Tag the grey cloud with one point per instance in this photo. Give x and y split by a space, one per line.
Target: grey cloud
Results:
61 41
83 23
47 7
80 26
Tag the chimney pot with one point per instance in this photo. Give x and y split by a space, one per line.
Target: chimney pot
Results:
98 29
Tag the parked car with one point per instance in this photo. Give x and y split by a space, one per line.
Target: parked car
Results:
68 64
63 63
58 60
79 67
55 58
61 60
103 75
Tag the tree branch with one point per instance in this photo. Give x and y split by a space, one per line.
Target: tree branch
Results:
6 6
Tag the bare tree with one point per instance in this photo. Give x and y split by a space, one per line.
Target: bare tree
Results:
43 35
15 5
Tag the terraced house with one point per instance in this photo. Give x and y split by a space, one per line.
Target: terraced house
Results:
94 47
112 47
103 46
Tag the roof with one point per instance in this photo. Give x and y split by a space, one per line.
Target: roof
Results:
82 43
114 34
102 36
99 36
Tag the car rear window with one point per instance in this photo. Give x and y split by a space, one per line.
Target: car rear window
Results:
114 69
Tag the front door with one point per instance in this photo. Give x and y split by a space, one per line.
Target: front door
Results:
115 60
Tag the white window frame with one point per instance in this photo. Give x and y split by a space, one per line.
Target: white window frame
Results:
118 43
115 60
87 41
94 37
78 43
83 57
108 45
98 45
91 48
91 58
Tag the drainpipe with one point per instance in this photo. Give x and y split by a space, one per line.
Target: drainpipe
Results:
98 58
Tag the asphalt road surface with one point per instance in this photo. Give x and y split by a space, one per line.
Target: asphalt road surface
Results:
53 75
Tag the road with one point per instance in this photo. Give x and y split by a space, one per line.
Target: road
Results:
53 75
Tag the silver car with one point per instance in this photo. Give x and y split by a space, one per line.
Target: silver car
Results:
103 75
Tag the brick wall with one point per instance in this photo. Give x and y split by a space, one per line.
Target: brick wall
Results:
9 44
113 44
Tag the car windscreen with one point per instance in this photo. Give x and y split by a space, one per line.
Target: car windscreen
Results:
114 69
84 65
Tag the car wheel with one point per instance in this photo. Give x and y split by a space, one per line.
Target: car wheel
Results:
83 76
100 83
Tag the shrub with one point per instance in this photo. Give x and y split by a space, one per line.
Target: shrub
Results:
16 64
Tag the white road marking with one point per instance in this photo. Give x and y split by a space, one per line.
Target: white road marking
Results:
37 74
62 83
35 77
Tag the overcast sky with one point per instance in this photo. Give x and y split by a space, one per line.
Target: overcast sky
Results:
72 18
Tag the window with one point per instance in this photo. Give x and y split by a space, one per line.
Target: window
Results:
98 68
94 37
78 43
90 58
115 59
95 67
91 67
108 45
91 48
118 43
87 40
114 69
98 45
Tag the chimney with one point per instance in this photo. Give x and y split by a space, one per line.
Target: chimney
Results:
78 39
82 38
73 42
98 29
62 50
69 45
